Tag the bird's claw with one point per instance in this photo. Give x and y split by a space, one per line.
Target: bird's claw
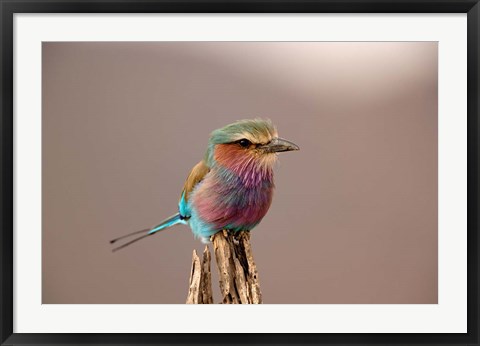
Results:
207 240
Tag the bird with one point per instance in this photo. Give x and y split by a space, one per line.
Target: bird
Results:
231 188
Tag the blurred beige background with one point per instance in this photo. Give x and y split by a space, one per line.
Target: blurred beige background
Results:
354 216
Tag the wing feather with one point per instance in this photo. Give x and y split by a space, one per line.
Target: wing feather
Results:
196 175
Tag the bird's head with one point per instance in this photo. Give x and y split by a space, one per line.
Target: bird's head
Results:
247 144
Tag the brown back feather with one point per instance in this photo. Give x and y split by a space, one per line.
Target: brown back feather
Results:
196 175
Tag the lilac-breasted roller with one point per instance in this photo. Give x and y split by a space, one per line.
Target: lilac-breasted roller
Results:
232 187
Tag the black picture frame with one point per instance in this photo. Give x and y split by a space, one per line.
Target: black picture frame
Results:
10 7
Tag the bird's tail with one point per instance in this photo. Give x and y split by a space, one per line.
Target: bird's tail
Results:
172 220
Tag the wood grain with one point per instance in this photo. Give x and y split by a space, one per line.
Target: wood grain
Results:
238 275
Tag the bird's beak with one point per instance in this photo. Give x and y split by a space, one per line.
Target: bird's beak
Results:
277 145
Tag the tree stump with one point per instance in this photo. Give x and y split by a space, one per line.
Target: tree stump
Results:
238 275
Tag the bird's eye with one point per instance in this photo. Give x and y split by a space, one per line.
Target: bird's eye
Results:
244 142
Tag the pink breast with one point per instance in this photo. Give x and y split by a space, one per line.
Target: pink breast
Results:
233 207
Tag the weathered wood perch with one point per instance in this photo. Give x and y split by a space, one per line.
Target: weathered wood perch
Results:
238 276
200 288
